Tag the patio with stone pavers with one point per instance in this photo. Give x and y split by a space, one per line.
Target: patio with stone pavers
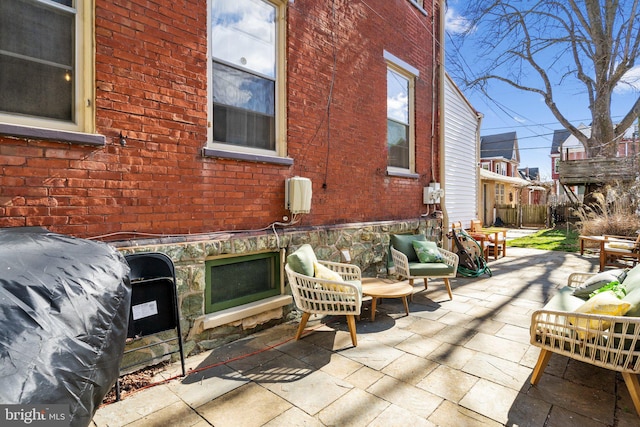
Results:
462 362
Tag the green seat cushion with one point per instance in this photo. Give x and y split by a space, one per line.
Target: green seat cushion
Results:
429 269
564 301
427 251
599 280
404 244
301 261
632 281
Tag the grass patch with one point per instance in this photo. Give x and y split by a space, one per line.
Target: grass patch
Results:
549 240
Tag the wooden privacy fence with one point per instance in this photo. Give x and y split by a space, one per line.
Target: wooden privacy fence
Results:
531 215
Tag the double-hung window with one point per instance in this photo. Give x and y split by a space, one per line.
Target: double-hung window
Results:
247 66
500 194
46 71
400 115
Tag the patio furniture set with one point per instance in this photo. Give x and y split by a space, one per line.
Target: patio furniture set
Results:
332 288
584 321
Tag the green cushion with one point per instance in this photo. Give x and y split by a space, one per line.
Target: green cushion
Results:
633 298
358 284
301 261
632 281
599 280
404 244
564 301
420 269
427 251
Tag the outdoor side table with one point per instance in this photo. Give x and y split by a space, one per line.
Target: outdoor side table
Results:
499 238
385 288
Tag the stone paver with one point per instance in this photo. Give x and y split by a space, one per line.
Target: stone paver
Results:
465 362
247 406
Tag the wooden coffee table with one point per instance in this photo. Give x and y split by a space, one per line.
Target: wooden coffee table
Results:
385 288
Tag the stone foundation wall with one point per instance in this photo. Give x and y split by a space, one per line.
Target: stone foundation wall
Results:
367 244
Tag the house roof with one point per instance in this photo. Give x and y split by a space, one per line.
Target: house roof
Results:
504 145
559 136
492 176
532 174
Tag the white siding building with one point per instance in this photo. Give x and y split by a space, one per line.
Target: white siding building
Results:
461 157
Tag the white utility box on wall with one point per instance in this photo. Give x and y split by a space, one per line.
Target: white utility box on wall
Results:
432 193
297 195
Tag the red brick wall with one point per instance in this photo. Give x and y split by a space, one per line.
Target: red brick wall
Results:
151 85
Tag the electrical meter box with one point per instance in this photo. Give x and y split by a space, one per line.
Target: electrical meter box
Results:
297 195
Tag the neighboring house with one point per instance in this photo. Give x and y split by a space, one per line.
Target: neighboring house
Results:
499 178
461 156
567 148
175 126
534 193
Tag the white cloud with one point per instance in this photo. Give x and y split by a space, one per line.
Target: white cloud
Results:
630 82
398 107
455 23
519 119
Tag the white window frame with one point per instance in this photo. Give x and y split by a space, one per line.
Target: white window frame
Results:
500 199
84 89
411 73
419 4
219 149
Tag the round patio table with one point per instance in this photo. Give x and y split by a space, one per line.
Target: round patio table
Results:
385 288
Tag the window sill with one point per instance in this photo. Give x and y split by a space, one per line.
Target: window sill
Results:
247 157
402 174
230 315
52 135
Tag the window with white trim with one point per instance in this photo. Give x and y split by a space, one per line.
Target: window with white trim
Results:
247 76
46 64
398 120
400 115
500 194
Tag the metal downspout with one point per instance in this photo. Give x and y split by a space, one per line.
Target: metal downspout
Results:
441 94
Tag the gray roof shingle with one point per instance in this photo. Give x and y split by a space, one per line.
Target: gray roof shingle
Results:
503 145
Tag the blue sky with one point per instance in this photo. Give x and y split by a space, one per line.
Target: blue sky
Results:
526 113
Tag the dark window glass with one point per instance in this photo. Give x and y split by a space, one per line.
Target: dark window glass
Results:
37 59
243 43
236 281
398 144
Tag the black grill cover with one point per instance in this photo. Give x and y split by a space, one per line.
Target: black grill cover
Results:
64 310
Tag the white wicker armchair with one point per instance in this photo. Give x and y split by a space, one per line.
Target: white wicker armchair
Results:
610 342
313 295
400 249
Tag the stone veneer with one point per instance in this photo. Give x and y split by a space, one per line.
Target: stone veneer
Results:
367 244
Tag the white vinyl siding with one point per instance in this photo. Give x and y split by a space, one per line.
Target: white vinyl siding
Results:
460 157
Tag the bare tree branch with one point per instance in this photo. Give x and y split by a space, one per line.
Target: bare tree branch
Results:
540 47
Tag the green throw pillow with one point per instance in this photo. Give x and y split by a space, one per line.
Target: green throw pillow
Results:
427 251
404 244
301 261
599 280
